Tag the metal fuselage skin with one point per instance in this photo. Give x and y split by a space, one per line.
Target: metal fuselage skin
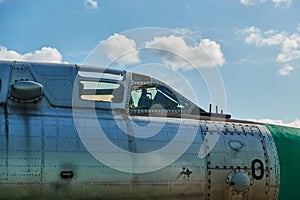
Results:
43 155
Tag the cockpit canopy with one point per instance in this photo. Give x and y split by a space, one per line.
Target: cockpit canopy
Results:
134 92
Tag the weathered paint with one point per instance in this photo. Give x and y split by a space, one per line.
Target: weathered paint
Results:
39 144
287 141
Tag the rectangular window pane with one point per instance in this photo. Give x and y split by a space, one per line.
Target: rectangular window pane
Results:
101 75
101 91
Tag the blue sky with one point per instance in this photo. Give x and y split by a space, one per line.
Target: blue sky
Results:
254 44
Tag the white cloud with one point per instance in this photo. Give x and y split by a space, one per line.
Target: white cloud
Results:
295 123
290 44
290 49
242 61
286 70
92 4
45 54
251 2
277 3
283 3
257 37
121 49
174 51
194 34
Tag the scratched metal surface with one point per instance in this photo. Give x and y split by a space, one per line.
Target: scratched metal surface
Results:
39 141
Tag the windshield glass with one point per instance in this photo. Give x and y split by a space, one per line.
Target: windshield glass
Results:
152 96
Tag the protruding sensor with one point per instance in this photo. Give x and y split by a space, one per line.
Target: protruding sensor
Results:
238 182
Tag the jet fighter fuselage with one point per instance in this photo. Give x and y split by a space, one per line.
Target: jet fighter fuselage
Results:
78 132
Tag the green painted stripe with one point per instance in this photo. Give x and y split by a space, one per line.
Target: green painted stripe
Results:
287 141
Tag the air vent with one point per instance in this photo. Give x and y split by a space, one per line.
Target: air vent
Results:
66 174
26 92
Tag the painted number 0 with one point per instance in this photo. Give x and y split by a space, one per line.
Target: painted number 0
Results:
261 167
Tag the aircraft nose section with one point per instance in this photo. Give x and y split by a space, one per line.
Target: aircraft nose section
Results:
287 140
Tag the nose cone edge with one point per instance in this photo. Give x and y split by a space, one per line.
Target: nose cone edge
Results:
287 140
